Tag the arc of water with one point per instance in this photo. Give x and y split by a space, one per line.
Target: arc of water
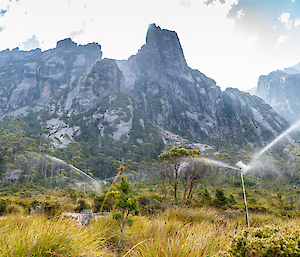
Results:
82 172
267 147
97 185
218 163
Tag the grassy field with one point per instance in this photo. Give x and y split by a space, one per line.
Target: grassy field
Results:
34 223
179 231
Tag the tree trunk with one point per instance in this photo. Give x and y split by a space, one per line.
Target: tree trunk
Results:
175 183
186 187
121 233
163 180
122 227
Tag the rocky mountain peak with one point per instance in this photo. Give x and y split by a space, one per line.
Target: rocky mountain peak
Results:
165 47
161 57
293 70
281 90
166 44
66 43
77 95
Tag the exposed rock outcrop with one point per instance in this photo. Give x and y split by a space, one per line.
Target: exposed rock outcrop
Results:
181 99
282 92
32 78
75 91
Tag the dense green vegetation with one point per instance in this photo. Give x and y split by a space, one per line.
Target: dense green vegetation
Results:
24 147
192 206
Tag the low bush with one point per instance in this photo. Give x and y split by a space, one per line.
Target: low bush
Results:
272 240
98 201
82 205
14 208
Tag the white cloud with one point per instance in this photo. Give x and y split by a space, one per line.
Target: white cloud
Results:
285 19
4 4
50 21
281 40
208 37
249 43
296 22
240 14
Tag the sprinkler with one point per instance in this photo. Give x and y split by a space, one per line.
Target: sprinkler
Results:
245 168
247 215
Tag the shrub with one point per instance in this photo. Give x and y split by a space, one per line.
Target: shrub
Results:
272 240
98 201
3 206
51 209
126 204
82 206
206 198
231 200
14 208
150 205
220 198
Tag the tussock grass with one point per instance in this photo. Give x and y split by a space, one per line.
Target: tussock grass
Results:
260 220
186 234
38 236
192 214
176 232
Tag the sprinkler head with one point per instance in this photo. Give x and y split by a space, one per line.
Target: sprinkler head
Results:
243 167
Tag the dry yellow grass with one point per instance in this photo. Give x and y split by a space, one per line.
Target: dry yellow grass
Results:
176 232
189 233
38 236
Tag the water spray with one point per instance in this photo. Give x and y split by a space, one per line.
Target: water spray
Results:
218 163
242 167
95 182
267 147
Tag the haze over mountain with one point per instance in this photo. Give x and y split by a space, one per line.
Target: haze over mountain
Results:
281 89
216 35
72 92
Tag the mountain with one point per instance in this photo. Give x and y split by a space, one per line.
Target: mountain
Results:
293 70
181 99
252 91
117 108
282 91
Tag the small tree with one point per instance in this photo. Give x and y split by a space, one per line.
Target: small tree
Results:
194 169
173 159
126 204
188 164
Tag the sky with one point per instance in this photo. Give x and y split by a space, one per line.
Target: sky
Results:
230 41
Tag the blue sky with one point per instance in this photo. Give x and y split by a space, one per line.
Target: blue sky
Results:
231 41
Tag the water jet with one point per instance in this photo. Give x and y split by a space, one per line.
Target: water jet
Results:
95 183
221 164
267 147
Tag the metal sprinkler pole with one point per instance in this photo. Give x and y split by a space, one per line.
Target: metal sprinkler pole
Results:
247 216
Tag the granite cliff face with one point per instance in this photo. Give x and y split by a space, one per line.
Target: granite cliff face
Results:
30 79
282 91
73 92
185 101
